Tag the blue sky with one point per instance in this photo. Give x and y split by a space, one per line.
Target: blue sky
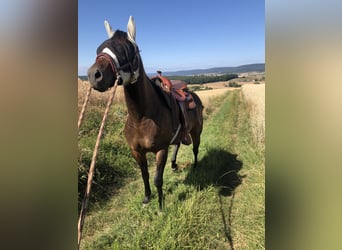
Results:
178 35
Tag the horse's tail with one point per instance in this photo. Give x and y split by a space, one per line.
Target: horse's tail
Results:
197 100
199 108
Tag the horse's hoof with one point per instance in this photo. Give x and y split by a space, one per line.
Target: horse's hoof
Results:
174 167
146 200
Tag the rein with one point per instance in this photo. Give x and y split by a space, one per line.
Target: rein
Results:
93 159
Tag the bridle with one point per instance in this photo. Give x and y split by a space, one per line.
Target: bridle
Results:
127 77
108 59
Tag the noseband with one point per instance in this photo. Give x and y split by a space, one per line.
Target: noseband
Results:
108 59
127 77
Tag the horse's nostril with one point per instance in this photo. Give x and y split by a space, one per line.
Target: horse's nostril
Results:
98 75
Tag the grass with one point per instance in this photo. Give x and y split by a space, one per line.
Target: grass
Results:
114 162
219 205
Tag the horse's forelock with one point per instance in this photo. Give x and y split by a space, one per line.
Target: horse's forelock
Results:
120 42
119 38
119 34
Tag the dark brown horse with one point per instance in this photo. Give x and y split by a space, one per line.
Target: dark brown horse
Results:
150 126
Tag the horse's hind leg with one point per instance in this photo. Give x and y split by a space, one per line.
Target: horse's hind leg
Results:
196 139
141 160
161 158
174 157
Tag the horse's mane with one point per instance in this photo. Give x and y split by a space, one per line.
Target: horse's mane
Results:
160 92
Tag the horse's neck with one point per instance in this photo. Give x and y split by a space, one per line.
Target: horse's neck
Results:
140 98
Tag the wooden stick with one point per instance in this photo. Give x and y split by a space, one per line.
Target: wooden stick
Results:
92 167
86 99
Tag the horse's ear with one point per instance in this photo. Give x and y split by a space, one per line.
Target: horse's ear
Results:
131 29
109 30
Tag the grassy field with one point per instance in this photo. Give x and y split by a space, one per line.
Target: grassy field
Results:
219 205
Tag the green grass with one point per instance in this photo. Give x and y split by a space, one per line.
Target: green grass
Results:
219 205
114 163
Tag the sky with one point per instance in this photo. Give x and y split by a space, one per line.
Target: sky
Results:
178 34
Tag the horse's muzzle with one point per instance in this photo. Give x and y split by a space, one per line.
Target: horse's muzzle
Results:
96 79
94 75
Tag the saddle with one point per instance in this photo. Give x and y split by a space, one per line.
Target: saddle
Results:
178 89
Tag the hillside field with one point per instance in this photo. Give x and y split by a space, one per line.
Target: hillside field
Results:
219 205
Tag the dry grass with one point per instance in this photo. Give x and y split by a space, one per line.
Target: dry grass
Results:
96 97
207 95
254 94
214 85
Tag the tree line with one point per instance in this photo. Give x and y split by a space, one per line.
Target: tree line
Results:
204 78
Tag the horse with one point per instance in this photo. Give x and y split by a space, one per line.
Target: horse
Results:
150 124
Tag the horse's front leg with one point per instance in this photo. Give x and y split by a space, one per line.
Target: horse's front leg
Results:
161 158
141 160
174 165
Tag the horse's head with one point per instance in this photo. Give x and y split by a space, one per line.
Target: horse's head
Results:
118 56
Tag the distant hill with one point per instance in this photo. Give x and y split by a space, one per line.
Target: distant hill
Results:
257 67
83 78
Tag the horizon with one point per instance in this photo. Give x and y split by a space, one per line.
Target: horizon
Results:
205 35
167 71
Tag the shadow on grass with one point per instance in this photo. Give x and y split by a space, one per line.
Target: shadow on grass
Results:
113 166
219 168
106 181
